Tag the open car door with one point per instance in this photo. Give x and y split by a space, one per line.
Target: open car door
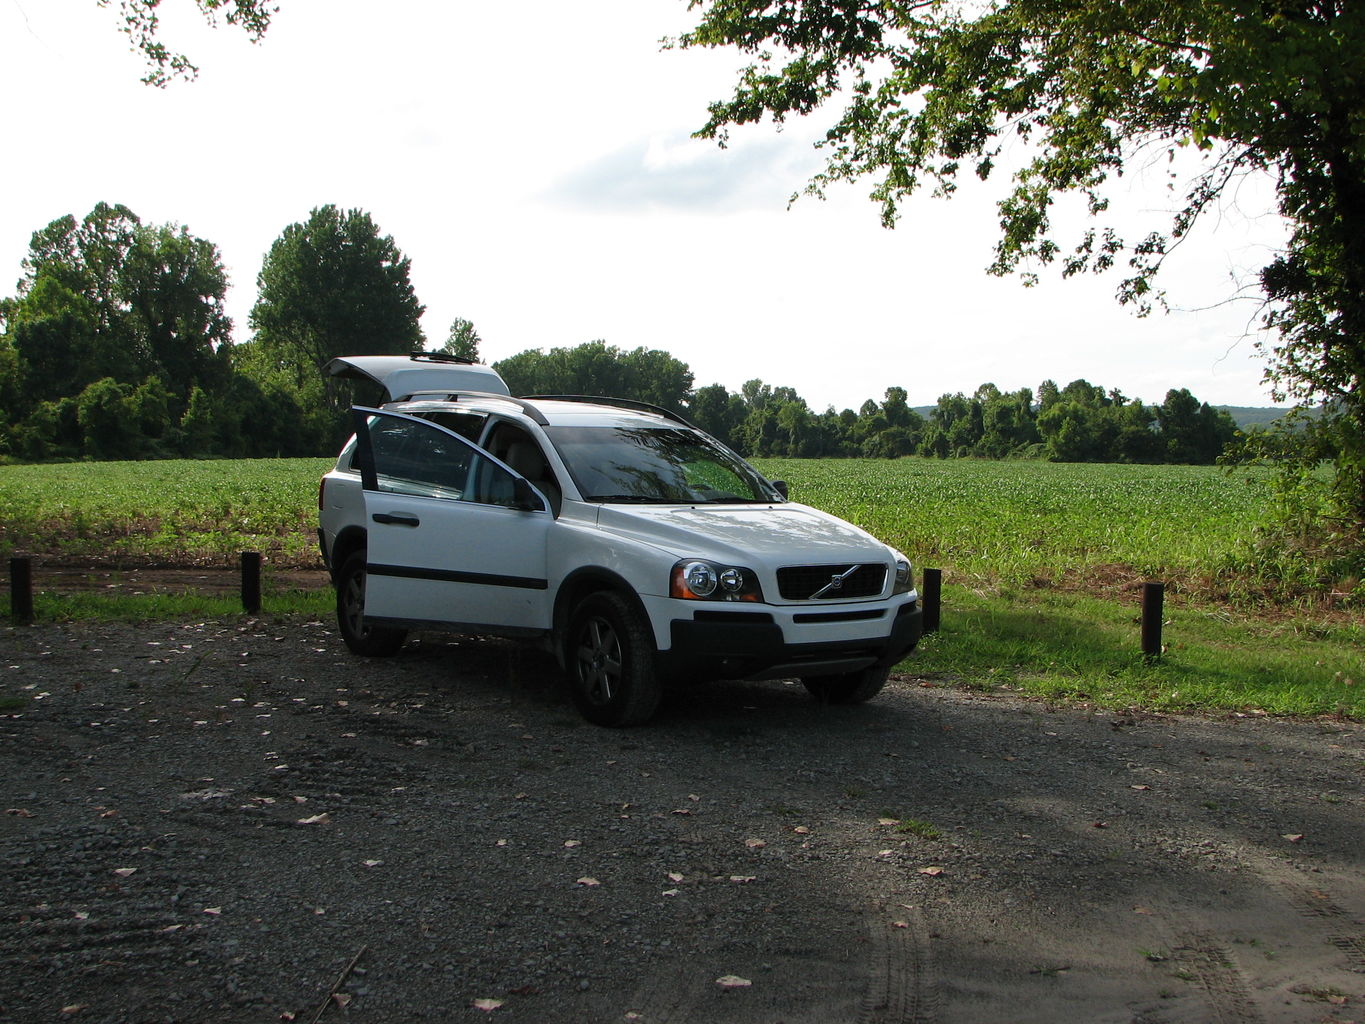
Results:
455 537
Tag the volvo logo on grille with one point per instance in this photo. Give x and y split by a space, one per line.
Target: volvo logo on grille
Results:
836 583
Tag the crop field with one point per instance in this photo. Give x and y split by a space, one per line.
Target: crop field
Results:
1013 522
1050 524
172 512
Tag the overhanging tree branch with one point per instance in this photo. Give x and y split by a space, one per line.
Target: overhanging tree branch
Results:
140 22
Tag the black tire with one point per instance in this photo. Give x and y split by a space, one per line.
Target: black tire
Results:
371 641
610 655
852 688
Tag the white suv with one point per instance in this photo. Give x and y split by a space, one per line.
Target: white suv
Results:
636 547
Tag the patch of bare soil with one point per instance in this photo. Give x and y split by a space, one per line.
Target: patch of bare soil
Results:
231 822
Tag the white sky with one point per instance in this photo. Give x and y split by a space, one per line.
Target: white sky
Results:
534 162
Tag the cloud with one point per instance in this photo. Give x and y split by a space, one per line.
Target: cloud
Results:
680 173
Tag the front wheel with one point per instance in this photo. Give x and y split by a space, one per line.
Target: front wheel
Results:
610 656
371 641
850 688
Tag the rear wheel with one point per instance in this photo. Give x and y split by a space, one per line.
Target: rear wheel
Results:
610 655
850 688
371 641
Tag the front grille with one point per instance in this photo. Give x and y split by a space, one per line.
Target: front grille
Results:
831 582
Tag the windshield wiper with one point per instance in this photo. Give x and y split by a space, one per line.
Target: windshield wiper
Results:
631 499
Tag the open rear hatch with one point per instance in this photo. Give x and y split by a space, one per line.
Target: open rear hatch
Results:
402 377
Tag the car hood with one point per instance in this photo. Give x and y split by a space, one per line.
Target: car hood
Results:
750 535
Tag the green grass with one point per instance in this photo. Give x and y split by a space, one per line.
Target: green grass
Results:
915 827
50 606
1077 647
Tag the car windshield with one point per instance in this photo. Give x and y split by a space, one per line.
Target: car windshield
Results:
656 465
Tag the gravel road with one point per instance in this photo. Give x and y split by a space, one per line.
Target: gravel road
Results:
238 821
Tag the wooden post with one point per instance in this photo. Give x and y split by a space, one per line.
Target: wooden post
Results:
251 581
21 589
933 586
1153 596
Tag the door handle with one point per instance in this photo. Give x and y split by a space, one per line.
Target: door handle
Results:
396 519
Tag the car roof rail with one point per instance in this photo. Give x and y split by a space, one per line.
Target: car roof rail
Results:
530 410
620 403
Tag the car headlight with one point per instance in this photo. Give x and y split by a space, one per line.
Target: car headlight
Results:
700 579
696 580
905 576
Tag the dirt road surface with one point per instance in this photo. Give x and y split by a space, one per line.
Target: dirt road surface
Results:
229 821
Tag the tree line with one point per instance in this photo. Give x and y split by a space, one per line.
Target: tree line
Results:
1080 422
117 346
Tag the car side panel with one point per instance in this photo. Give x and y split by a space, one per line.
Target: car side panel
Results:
455 562
579 548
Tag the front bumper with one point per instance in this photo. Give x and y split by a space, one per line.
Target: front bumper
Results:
751 645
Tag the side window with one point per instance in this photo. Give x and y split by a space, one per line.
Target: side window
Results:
490 484
520 451
411 457
468 425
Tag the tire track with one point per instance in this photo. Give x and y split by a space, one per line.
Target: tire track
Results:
1310 901
1316 903
85 900
1212 965
1354 948
886 976
900 988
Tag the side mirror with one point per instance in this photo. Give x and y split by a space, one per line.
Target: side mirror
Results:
524 496
781 487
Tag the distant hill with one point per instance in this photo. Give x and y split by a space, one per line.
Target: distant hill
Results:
1243 415
1254 416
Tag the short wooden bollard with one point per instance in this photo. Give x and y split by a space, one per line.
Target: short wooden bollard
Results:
21 589
1153 597
251 581
930 597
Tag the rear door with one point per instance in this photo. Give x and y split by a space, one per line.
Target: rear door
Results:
455 538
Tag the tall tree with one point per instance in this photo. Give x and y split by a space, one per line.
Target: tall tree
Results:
332 286
717 412
463 340
1008 424
933 89
109 296
1193 431
596 368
